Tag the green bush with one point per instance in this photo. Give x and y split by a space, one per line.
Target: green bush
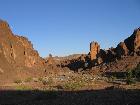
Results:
129 77
136 71
111 79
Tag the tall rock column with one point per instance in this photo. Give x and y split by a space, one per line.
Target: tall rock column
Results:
94 50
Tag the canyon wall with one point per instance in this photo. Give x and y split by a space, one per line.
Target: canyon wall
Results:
17 50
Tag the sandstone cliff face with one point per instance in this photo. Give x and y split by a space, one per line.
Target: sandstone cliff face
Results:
17 50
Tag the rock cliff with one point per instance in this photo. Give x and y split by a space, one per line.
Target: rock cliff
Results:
17 50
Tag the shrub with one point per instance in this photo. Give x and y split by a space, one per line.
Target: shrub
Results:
50 81
111 79
129 81
44 82
18 81
40 78
28 79
73 85
129 77
136 71
47 81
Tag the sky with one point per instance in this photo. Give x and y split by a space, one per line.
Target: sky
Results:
63 27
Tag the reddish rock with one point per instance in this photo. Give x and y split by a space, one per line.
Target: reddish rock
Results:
82 58
137 40
99 60
107 55
94 50
17 50
133 42
50 60
121 49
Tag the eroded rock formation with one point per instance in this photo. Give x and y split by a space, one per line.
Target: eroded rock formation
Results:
94 50
50 60
133 42
130 47
121 49
101 59
17 50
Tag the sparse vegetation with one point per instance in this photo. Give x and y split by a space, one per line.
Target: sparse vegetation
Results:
29 79
22 87
136 72
131 74
73 85
35 79
111 78
17 81
129 77
46 81
50 81
40 78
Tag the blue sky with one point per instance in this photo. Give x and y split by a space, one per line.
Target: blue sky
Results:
63 27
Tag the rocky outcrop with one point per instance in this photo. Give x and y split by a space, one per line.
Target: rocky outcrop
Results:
121 49
17 50
50 60
76 62
120 58
133 42
107 55
130 47
94 50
